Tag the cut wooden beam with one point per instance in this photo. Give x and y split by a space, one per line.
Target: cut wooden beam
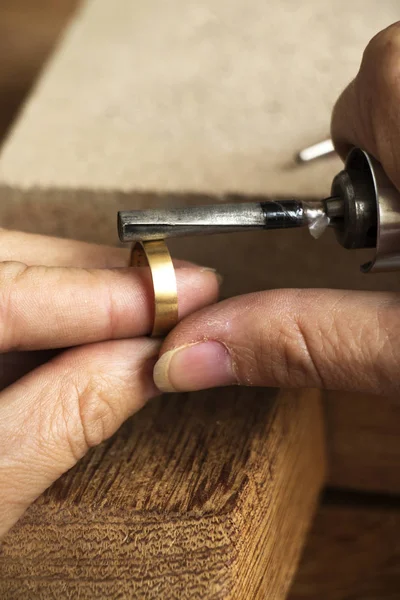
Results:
200 496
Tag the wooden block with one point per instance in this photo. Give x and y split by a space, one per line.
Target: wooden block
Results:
363 433
198 496
352 552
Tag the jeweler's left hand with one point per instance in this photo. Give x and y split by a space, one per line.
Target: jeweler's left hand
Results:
56 403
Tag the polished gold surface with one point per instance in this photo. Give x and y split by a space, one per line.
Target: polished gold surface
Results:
155 254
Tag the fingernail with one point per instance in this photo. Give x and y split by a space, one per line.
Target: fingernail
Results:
194 367
217 275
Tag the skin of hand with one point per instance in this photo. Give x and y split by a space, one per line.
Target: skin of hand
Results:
331 339
56 403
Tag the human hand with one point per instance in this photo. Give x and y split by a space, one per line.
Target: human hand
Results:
82 298
340 340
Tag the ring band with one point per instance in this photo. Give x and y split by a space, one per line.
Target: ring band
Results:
155 254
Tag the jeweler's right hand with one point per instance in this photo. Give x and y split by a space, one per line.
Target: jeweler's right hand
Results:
341 340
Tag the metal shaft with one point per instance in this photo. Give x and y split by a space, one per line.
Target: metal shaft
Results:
324 148
162 223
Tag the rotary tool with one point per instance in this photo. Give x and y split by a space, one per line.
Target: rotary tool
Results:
363 209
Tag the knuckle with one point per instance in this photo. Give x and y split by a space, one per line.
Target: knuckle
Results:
384 41
298 349
381 58
312 340
96 415
331 343
298 358
282 351
97 411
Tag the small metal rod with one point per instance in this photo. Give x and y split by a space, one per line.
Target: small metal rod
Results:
214 218
315 151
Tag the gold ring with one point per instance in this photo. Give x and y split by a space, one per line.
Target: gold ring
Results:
155 254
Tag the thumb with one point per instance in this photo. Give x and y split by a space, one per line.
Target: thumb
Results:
288 338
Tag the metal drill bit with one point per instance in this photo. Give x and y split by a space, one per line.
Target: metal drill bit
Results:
162 223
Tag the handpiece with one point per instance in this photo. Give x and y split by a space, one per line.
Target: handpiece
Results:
363 208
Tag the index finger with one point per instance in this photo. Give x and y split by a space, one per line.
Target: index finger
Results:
54 307
34 249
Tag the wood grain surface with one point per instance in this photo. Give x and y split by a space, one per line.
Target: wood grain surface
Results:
204 495
353 550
